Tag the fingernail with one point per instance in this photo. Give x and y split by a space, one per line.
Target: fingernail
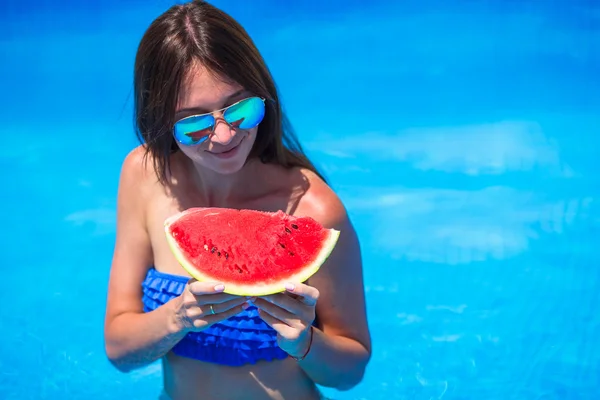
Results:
290 287
220 288
245 305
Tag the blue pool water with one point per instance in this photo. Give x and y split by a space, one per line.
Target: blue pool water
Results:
463 139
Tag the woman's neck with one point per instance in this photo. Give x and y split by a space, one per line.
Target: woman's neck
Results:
226 189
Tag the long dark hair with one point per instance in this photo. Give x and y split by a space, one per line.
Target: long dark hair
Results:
197 32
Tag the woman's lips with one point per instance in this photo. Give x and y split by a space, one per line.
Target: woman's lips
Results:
228 153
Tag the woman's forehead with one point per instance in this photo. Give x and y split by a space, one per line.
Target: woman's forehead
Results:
204 89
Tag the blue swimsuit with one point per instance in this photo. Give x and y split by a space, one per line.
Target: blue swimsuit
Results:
242 339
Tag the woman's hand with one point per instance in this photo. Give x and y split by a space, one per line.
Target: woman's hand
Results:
203 304
291 314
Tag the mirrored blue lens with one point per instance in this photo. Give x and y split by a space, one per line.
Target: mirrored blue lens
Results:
246 114
194 130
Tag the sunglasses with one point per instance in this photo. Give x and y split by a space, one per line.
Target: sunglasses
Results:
195 129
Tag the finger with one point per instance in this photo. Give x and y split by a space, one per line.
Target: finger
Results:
292 295
308 294
217 298
225 306
213 319
285 301
278 312
201 288
280 327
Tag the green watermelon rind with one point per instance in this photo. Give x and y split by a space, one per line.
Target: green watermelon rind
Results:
257 289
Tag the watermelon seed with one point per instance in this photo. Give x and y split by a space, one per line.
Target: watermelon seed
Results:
282 245
294 226
226 255
291 253
287 230
213 249
219 253
206 247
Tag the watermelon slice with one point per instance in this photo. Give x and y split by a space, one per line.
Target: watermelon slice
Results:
253 253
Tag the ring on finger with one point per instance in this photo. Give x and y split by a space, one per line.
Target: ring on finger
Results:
212 310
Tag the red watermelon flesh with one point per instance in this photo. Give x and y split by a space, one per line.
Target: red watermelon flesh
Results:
252 253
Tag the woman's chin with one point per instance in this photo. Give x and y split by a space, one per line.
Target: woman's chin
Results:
224 165
224 169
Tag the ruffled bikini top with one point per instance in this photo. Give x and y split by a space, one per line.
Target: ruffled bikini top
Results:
242 339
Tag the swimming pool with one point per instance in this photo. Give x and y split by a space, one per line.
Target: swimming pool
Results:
462 140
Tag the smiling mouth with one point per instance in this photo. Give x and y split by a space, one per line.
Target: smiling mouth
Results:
228 150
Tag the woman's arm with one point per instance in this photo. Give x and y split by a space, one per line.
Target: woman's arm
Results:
134 338
341 348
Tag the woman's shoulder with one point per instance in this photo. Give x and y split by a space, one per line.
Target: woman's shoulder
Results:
320 201
137 164
137 172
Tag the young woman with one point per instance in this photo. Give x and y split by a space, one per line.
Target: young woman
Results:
213 135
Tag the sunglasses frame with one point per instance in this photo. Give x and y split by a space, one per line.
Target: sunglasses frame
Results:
222 111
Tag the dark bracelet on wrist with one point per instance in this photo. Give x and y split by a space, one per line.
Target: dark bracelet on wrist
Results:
307 349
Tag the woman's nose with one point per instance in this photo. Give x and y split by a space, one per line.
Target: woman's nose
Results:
223 133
